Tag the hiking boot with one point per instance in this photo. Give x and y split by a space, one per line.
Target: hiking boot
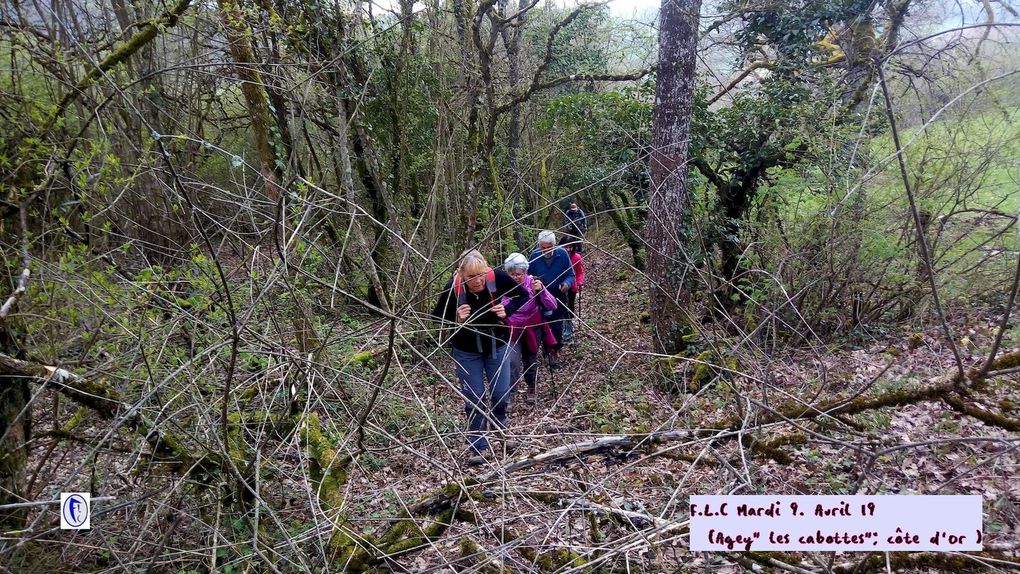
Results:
509 446
554 362
530 397
476 460
474 457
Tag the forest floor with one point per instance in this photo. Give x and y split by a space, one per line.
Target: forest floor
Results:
593 504
623 505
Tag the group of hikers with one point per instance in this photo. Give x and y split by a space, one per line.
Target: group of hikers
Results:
502 319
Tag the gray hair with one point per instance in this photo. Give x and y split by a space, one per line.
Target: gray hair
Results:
547 237
516 262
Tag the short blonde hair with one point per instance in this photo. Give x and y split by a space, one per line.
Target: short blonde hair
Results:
472 263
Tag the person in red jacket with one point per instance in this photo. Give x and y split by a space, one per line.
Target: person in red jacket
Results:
577 262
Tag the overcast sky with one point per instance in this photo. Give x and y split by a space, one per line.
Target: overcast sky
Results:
643 10
944 14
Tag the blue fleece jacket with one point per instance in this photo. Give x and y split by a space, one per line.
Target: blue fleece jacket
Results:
553 271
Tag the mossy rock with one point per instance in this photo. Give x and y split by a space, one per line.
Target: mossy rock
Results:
915 340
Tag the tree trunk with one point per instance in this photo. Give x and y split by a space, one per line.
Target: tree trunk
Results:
14 428
347 183
512 43
668 230
240 46
621 216
15 424
149 215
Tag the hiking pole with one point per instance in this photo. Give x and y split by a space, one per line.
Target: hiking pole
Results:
577 305
552 377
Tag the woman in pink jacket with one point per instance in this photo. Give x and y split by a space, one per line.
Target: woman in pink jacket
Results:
577 262
527 327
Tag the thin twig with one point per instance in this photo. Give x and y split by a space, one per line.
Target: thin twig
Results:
923 241
1004 323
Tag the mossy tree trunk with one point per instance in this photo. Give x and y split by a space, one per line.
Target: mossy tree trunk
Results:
512 44
239 39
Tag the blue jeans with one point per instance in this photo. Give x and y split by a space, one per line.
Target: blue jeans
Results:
568 323
557 318
485 411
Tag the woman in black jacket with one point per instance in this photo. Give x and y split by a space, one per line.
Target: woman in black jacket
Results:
470 303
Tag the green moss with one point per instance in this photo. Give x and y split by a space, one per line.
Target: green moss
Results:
469 548
428 534
167 448
75 420
983 415
331 468
704 370
553 561
329 472
546 497
903 561
771 448
1007 361
566 557
396 532
596 531
364 359
665 366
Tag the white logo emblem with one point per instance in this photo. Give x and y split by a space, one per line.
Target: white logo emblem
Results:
75 511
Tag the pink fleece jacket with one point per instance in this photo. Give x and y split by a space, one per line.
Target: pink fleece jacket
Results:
527 321
577 262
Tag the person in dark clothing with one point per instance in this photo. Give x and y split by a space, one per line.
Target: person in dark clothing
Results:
471 304
576 224
552 266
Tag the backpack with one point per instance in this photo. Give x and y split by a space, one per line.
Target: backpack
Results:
461 292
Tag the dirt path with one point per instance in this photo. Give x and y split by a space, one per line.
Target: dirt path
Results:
606 386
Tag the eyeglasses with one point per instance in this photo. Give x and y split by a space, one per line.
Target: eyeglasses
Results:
517 274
